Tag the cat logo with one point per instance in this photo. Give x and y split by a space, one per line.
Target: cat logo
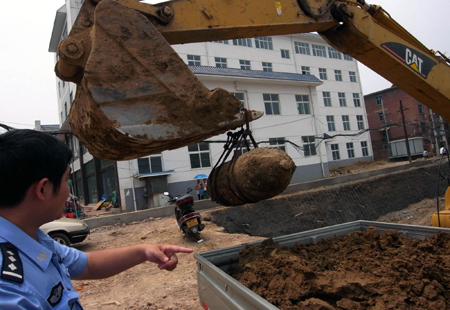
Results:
417 61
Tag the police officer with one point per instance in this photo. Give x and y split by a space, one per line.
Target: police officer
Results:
36 271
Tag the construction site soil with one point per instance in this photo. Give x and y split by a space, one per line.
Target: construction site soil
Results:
360 271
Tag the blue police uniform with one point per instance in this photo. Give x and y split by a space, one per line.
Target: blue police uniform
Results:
35 274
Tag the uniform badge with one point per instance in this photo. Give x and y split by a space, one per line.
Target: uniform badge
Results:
12 269
56 294
42 256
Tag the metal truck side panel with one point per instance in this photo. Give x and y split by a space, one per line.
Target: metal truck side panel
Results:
218 290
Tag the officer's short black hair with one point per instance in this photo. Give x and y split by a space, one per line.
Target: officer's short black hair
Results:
26 157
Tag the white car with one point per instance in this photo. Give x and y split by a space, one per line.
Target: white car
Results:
67 230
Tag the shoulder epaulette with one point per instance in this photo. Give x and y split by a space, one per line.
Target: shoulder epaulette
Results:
12 269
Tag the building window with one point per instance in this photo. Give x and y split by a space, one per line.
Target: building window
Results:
342 101
59 89
92 193
302 48
245 64
108 181
150 164
364 148
264 43
381 117
334 53
65 109
330 122
335 151
346 122
420 108
222 41
360 122
79 185
319 50
356 100
84 150
346 57
309 146
323 73
271 104
241 98
91 182
194 60
279 143
71 98
352 76
303 104
221 62
326 98
242 42
350 150
199 155
267 66
423 126
285 54
338 75
379 100
306 70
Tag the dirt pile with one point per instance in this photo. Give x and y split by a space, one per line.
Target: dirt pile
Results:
363 270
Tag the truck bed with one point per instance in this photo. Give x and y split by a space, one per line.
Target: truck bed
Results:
218 290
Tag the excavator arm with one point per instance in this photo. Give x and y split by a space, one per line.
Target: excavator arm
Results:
135 96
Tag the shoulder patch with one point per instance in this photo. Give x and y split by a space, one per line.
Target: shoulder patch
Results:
56 294
12 269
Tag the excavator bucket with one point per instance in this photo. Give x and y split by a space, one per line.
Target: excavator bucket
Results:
135 95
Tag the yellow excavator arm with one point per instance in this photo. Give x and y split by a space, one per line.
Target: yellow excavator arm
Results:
135 96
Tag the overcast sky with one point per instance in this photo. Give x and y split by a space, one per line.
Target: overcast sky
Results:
28 84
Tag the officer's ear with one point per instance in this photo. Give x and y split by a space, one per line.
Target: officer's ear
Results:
42 189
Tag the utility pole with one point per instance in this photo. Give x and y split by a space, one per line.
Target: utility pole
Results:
386 128
406 133
434 134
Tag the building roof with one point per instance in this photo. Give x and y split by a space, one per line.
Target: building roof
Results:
382 91
154 174
311 34
58 27
206 70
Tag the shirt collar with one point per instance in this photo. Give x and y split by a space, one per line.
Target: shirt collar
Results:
40 251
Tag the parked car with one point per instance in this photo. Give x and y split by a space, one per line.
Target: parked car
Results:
67 231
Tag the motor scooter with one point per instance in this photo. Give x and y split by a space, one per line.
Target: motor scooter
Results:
188 220
73 208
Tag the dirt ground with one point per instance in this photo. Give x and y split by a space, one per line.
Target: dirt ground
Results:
146 287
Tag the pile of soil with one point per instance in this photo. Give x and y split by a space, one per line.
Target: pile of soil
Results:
362 270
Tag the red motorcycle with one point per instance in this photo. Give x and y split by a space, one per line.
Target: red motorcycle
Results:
73 209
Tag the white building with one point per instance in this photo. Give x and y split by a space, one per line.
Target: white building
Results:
311 95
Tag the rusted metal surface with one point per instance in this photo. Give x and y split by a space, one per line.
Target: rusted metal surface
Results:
259 174
136 96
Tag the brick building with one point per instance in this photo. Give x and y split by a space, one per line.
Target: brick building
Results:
386 124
